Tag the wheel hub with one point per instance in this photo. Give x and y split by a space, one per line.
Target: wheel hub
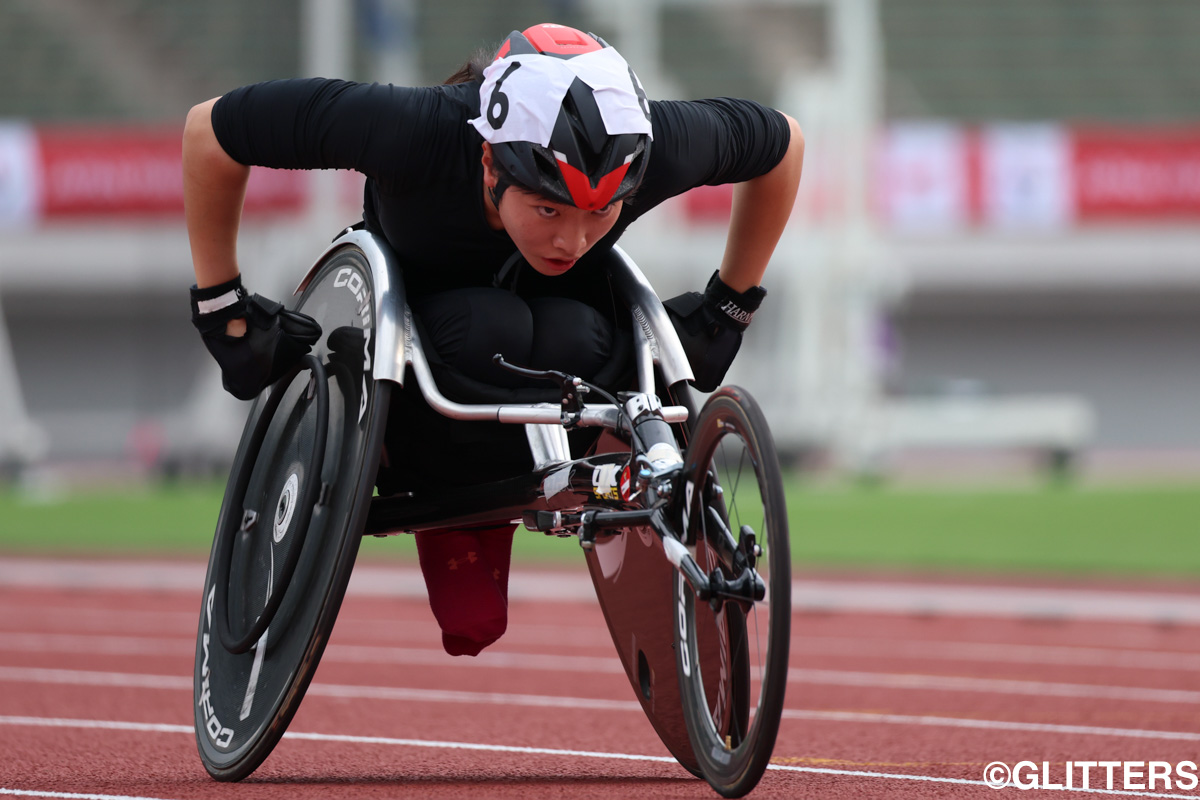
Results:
286 506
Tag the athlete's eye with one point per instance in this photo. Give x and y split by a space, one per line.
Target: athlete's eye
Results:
547 211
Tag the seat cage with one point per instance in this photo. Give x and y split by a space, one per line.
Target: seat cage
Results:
397 346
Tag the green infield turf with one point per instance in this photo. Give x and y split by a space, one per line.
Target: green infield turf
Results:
1111 530
1142 530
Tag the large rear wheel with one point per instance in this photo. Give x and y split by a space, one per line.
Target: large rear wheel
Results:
732 654
289 528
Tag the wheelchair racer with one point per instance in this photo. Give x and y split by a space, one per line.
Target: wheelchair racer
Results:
501 192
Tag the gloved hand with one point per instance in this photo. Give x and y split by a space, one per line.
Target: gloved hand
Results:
710 327
275 338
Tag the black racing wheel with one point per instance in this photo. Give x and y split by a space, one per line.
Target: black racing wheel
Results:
732 654
289 527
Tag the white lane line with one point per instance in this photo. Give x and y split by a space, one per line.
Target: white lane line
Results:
491 748
342 653
996 601
473 698
77 677
876 680
98 620
373 654
802 647
172 682
875 718
1130 658
367 580
497 748
955 683
70 795
34 675
96 644
585 634
865 596
95 724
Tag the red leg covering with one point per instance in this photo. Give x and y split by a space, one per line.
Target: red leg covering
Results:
466 575
497 550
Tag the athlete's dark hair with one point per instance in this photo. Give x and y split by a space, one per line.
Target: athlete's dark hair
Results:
472 72
472 69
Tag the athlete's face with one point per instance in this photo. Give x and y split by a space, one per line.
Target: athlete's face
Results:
551 236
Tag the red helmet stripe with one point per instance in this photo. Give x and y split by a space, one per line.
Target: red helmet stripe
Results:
560 40
582 192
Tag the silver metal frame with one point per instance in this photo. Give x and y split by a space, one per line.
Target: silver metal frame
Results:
390 304
652 325
655 340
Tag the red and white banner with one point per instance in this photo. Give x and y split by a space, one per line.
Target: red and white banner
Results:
74 172
136 171
19 176
1024 177
933 176
923 177
1137 174
109 171
928 177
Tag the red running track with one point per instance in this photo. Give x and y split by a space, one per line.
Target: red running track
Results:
883 701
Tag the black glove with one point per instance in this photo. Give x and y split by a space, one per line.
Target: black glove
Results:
275 339
710 327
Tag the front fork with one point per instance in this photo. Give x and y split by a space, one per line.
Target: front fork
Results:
701 518
656 479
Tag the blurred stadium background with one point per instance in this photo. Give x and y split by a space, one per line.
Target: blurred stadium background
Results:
994 263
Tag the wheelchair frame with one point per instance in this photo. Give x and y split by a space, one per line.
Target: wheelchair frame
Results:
658 343
548 487
638 486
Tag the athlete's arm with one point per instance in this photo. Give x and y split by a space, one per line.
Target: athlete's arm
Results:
743 144
214 188
761 207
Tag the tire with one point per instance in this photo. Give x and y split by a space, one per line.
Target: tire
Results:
295 554
732 662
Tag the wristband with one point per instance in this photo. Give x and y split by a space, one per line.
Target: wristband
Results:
732 309
214 306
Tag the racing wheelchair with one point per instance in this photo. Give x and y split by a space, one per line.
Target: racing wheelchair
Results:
679 514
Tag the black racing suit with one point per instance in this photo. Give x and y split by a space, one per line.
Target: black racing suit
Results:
424 194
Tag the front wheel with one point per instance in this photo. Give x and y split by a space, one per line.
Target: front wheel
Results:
732 655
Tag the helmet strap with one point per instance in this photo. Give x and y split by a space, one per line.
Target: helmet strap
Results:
497 191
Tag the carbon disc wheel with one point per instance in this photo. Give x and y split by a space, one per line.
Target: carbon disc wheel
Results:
732 656
289 528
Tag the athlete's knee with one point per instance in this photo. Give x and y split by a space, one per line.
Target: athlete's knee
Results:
570 335
467 327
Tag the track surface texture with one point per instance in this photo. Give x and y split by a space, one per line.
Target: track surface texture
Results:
898 688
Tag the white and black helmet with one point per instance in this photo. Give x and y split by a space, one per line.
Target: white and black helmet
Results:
588 149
